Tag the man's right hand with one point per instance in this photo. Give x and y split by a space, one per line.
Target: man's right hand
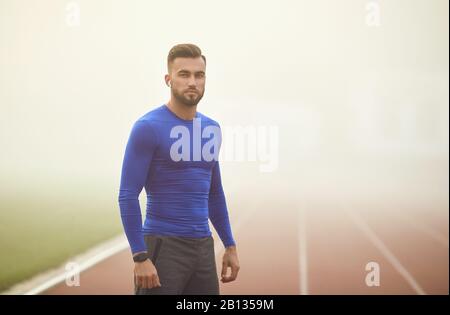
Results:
145 275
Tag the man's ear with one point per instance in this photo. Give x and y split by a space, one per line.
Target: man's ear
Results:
168 83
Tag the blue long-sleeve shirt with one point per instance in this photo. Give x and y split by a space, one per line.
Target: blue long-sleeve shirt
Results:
181 193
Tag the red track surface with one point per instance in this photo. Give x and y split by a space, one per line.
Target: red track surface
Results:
337 251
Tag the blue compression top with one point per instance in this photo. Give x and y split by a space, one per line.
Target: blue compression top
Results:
183 189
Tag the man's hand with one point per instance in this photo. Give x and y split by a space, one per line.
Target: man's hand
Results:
145 275
230 259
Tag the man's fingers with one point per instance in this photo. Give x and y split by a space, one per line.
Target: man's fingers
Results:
224 269
226 279
233 276
234 272
152 281
147 281
156 281
144 281
159 282
138 281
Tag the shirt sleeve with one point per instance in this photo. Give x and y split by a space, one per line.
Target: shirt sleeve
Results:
218 213
139 152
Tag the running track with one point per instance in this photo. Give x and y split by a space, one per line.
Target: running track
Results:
316 247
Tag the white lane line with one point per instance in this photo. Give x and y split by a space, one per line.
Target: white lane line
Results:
47 280
364 227
425 229
303 252
104 251
93 256
236 226
82 267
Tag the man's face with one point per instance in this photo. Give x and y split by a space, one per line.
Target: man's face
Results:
187 78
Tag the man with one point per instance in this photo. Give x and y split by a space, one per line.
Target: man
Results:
174 250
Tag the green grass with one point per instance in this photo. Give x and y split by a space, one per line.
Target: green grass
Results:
39 233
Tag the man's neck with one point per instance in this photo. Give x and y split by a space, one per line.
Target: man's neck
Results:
181 110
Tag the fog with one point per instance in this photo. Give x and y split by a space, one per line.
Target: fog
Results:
357 91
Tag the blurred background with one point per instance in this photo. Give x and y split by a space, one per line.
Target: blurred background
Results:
357 91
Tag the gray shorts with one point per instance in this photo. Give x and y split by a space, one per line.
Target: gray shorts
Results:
185 265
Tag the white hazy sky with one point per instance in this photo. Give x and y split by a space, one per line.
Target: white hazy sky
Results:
340 91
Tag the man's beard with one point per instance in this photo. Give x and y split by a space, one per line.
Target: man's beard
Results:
188 101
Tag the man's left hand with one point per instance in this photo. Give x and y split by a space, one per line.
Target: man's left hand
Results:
230 260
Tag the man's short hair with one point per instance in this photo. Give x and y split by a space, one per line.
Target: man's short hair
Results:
184 51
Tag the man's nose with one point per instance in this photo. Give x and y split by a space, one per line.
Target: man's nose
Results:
192 82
